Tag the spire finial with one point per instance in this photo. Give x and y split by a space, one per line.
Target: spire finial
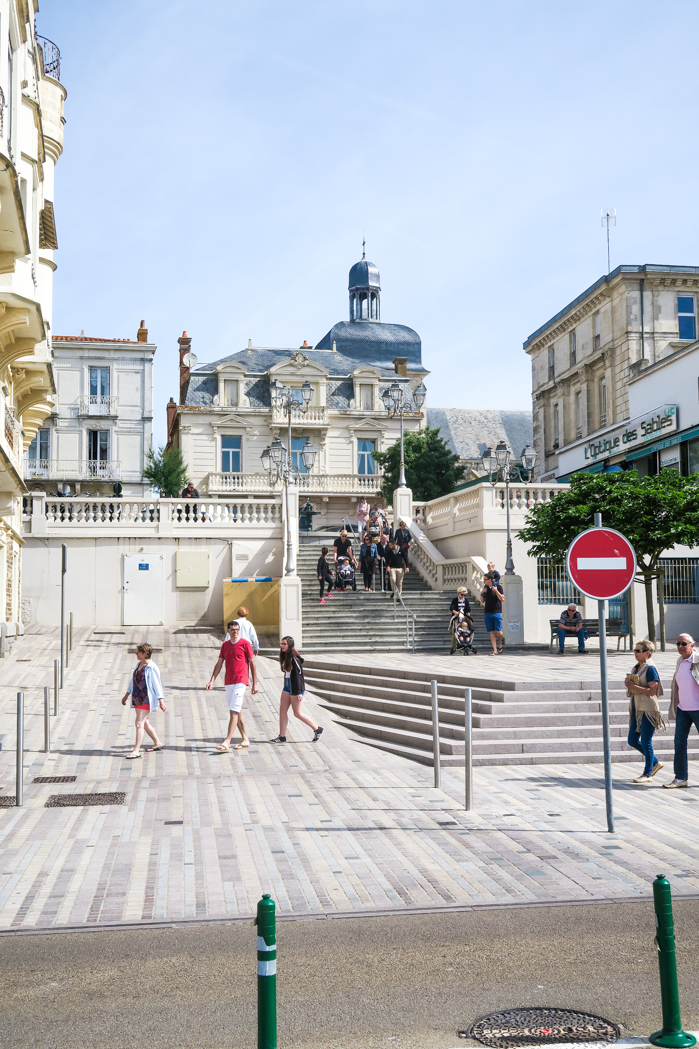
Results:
363 246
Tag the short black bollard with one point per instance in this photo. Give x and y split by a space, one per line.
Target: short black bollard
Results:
266 974
672 1036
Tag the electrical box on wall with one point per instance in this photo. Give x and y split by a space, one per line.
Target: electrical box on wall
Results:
192 568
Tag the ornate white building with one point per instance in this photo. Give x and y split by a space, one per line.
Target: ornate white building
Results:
95 441
31 141
225 418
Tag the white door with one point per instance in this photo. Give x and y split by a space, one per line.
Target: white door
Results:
143 589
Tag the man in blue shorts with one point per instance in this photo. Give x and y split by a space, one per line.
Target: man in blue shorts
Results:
492 598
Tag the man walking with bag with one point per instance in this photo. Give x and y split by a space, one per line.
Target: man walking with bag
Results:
684 705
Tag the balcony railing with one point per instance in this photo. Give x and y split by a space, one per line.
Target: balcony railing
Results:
10 433
349 484
97 404
315 415
71 470
51 57
151 517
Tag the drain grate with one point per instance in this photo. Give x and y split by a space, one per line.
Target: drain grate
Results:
173 823
54 779
523 1027
7 801
59 801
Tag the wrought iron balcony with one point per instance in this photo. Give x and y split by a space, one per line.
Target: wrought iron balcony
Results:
97 404
72 469
51 57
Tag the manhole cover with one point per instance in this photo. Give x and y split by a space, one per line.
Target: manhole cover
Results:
522 1027
58 801
54 779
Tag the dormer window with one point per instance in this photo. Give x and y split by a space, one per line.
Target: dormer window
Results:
230 393
366 397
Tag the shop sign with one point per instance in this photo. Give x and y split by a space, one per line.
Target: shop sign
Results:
634 433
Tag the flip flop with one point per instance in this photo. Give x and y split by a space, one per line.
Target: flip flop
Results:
150 750
132 757
222 747
241 746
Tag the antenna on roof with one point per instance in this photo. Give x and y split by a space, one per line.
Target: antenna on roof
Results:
610 218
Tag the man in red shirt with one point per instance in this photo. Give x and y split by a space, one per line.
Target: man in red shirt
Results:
238 656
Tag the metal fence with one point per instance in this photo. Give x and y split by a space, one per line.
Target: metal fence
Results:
553 585
681 580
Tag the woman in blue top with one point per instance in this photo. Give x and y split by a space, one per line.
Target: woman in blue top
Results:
643 688
146 693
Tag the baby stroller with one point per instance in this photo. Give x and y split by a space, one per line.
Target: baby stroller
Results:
345 574
461 629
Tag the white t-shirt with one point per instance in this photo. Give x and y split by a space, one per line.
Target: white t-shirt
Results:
687 686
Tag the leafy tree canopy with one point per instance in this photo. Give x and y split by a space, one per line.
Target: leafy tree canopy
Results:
166 471
654 513
431 469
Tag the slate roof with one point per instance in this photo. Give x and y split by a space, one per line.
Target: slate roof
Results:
469 431
374 342
364 274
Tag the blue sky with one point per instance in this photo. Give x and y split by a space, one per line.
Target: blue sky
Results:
222 160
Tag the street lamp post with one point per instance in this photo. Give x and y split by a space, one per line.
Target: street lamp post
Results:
397 401
500 466
277 460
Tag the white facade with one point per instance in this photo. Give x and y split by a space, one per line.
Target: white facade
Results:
102 423
31 141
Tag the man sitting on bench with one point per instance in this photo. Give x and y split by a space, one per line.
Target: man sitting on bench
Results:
570 623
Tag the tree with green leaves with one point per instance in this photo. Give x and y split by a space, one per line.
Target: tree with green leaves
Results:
431 469
654 513
166 471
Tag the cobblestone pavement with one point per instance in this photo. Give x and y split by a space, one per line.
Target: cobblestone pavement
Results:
328 828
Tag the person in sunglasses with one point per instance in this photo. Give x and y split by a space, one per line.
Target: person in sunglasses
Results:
684 705
643 688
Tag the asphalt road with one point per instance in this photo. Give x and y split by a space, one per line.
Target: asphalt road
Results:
407 981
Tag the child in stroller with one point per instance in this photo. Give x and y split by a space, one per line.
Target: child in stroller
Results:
345 574
461 627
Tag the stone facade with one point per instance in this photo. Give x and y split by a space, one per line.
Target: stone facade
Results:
585 356
31 141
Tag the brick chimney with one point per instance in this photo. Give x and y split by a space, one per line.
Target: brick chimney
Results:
142 333
170 410
401 366
185 346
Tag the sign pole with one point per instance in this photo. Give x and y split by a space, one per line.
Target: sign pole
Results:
605 705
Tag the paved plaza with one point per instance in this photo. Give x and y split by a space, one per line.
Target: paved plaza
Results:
330 829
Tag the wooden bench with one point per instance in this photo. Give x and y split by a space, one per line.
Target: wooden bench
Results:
591 628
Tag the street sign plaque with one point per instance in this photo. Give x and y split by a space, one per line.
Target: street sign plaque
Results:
602 563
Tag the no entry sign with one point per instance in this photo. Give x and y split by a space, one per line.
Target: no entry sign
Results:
602 563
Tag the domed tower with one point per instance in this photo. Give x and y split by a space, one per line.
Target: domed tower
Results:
364 290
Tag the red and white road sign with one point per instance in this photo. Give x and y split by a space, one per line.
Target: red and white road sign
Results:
602 563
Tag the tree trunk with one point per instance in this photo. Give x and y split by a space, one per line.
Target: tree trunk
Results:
650 613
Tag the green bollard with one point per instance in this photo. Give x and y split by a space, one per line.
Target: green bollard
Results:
267 974
672 1036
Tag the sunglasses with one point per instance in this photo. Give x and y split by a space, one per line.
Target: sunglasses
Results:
682 644
639 650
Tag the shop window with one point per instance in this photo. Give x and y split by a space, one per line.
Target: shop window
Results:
693 457
686 316
230 455
680 580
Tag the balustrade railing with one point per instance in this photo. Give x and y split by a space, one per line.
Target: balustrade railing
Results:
125 514
351 484
315 415
98 404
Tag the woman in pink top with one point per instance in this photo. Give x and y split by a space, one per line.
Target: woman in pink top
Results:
684 705
362 514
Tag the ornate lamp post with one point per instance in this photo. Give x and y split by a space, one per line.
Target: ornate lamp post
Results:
277 460
397 401
500 466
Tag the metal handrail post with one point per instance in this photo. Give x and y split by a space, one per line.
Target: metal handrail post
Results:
435 735
70 632
64 560
19 790
56 675
67 650
47 719
468 750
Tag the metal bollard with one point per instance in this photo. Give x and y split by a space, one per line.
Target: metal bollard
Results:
56 676
20 749
468 749
435 735
672 1036
266 974
67 650
70 632
47 719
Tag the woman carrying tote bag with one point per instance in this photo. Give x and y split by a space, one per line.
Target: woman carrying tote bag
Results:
643 689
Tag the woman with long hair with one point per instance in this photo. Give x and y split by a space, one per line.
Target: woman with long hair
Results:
146 692
643 688
292 693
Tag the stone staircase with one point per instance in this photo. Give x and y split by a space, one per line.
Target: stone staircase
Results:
349 621
514 723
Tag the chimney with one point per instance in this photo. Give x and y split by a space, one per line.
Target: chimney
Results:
305 345
142 333
185 346
401 366
170 410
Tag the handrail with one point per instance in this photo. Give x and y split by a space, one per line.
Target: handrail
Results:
408 611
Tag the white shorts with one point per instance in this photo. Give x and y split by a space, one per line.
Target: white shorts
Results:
234 695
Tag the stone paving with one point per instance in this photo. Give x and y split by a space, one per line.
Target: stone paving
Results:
329 828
